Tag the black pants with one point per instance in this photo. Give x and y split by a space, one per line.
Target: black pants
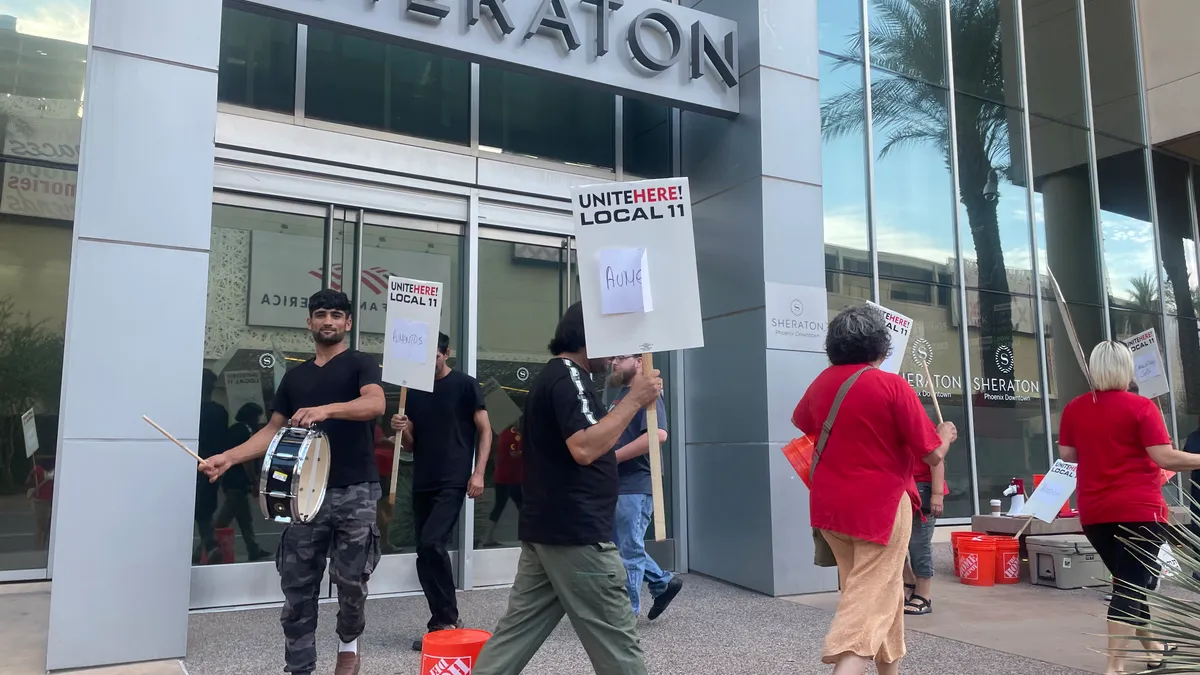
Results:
503 494
1134 566
435 513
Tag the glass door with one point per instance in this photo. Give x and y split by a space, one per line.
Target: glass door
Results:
526 282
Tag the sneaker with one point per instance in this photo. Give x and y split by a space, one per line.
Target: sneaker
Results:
347 664
419 643
663 601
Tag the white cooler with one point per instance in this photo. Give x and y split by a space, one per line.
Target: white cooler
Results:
1064 561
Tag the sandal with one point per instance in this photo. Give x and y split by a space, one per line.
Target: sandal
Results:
1168 651
917 606
909 589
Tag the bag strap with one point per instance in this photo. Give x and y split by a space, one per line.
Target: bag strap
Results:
828 426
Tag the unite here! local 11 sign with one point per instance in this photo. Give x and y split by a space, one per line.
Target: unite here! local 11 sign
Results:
901 327
414 318
1052 493
632 238
1148 369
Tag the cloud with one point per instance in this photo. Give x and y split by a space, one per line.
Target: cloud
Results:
65 20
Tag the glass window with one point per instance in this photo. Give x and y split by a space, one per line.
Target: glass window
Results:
845 290
936 345
1129 255
258 61
843 165
547 118
1065 377
262 268
1183 350
1063 215
1054 67
1113 62
1006 391
984 37
366 83
839 28
993 203
42 64
914 197
1182 288
647 140
908 38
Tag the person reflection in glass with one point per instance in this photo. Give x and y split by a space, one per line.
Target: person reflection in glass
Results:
212 440
40 491
240 481
508 470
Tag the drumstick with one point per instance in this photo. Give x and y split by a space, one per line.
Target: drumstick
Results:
932 392
174 440
399 444
656 486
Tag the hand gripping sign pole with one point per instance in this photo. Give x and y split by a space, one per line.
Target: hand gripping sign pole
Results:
414 315
633 237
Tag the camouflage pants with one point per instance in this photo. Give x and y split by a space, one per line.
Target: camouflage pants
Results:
345 530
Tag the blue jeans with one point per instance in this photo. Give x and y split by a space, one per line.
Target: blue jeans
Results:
634 513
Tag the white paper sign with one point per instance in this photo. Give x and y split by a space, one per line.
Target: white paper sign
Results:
30 428
1052 493
901 327
654 216
242 387
797 317
414 317
624 281
502 412
1148 369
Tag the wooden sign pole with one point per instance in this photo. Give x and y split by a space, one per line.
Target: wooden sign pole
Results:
397 447
656 480
932 392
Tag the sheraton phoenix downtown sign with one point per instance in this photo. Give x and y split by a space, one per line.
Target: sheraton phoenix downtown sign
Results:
650 48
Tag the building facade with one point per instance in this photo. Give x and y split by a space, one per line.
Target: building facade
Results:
180 177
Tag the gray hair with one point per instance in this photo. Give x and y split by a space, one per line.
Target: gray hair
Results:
857 335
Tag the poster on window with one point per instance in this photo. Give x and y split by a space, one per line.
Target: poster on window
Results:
242 387
637 267
1148 370
901 328
38 191
283 276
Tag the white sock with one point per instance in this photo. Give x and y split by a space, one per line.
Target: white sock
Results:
351 646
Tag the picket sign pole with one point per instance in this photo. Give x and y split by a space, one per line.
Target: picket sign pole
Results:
656 480
932 393
396 448
1022 530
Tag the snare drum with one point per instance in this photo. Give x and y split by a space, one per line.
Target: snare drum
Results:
295 473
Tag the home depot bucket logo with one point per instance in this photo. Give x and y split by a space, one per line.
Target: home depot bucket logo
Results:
968 566
1012 566
454 665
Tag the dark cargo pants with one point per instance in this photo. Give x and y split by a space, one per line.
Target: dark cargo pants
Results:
345 530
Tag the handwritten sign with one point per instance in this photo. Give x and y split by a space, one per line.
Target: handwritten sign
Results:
414 315
625 281
1052 493
901 327
613 223
29 426
1148 369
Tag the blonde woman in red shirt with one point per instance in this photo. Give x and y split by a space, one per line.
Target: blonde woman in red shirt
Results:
863 497
1121 443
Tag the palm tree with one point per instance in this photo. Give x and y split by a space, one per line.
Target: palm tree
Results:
906 38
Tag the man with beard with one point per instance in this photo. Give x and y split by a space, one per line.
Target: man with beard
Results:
569 564
635 502
339 392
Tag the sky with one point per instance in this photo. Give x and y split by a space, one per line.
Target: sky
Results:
914 192
57 19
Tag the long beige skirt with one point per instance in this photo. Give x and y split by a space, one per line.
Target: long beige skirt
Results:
870 616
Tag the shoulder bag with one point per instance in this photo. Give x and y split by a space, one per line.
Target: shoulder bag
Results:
822 554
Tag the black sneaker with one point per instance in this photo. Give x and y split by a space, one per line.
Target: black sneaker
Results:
419 643
663 601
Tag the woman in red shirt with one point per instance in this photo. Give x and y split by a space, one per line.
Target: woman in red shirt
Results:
863 496
1121 444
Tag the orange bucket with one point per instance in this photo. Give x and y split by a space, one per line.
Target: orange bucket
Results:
1008 560
452 652
955 540
977 561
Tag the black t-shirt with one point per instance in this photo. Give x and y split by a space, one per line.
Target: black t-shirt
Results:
566 503
635 473
352 459
444 432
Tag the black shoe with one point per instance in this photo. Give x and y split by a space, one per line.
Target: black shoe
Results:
419 643
663 601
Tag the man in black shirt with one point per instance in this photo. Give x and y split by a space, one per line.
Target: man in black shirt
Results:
443 428
568 561
339 392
